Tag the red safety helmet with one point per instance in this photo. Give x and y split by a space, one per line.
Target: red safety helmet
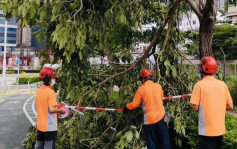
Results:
47 72
146 73
208 65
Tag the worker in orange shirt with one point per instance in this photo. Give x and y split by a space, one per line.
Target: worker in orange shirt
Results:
211 98
150 96
47 109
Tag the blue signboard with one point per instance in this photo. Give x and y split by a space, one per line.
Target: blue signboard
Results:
18 62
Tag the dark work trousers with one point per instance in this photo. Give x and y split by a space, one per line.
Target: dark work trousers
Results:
206 142
46 140
157 135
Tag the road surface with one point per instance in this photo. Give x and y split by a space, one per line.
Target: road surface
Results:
14 124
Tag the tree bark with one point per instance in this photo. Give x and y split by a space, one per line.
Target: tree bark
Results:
207 24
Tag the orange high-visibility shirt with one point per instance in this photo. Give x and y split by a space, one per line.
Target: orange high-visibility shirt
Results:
212 97
45 98
150 95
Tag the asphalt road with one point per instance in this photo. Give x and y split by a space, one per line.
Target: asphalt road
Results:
14 124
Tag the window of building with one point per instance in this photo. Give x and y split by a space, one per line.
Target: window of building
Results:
1 39
11 22
2 21
10 35
2 29
194 22
11 41
11 30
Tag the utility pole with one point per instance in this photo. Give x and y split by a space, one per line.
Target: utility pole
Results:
4 58
224 61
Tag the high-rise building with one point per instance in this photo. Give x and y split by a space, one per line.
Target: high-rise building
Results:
8 28
23 35
221 4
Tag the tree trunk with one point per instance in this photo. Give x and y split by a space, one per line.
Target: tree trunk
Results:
207 24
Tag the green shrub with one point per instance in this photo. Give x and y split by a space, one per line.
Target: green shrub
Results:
24 80
231 81
10 72
229 140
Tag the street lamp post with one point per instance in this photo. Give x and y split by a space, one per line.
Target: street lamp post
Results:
224 61
4 58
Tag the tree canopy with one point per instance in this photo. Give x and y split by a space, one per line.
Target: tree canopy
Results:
79 29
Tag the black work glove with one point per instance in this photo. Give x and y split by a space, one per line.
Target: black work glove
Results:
125 110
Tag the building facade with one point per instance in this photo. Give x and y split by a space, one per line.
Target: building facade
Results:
23 35
8 37
8 30
232 14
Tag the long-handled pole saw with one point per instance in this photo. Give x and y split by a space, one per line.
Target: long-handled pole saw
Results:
77 108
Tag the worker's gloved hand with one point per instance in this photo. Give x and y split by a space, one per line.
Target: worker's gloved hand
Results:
125 109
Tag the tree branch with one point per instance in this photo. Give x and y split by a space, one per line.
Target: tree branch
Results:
156 38
195 9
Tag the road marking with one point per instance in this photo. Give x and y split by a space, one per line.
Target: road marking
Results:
33 108
2 100
26 113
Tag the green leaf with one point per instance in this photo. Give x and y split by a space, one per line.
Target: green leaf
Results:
134 127
167 63
80 55
73 6
136 134
42 14
62 42
24 11
174 72
129 136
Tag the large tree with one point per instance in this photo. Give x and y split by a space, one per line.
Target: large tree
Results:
75 30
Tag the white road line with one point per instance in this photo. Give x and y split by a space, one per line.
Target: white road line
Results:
33 108
26 113
1 100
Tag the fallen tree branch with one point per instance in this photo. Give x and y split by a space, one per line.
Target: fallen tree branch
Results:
155 39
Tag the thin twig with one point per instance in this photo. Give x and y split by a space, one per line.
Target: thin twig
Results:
158 70
113 134
185 58
106 131
183 83
78 10
169 85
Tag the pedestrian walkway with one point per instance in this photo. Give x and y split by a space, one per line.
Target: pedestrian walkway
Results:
14 124
233 113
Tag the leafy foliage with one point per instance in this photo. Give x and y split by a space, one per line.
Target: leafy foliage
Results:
231 81
76 30
229 139
226 38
